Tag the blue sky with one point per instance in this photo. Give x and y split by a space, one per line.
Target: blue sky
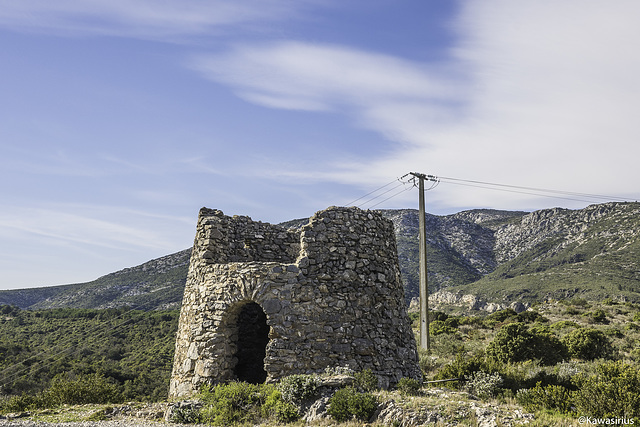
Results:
119 119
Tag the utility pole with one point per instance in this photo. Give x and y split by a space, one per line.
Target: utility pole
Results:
425 342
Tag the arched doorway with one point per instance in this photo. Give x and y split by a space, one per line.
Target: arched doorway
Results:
253 337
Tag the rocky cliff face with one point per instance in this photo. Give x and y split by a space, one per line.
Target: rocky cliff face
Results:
498 257
561 253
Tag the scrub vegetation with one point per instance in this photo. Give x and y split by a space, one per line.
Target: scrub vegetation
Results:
559 361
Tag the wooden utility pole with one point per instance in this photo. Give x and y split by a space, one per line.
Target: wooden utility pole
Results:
425 342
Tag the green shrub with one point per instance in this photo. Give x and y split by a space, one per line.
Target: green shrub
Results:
547 346
561 324
427 362
93 388
438 327
452 322
437 315
612 392
632 327
571 311
579 302
587 344
526 375
460 367
531 316
366 380
64 389
471 321
348 404
514 342
234 402
296 388
482 384
414 317
286 412
554 397
185 415
408 386
283 411
636 317
596 316
20 403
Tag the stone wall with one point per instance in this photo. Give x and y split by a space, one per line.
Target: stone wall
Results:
262 302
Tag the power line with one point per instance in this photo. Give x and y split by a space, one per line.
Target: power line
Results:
391 197
377 196
543 192
371 192
412 178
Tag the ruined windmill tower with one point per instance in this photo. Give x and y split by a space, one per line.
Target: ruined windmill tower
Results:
262 302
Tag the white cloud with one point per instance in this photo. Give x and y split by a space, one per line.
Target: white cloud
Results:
121 229
546 97
143 18
385 93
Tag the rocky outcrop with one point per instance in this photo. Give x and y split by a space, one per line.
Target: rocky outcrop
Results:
470 302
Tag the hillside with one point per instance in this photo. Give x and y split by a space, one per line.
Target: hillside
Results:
495 256
592 253
155 285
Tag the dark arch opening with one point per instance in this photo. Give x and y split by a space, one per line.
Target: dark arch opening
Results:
253 337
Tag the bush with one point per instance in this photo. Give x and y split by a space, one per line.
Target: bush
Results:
515 343
460 367
482 384
19 403
548 348
235 402
526 375
596 316
408 386
502 315
512 343
553 397
612 392
283 411
348 404
587 344
366 380
438 327
93 388
414 317
561 324
81 390
437 315
531 316
296 388
452 322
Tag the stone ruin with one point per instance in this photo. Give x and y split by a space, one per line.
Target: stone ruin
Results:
262 302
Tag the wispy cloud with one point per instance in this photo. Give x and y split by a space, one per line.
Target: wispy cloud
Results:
382 91
147 19
87 225
546 97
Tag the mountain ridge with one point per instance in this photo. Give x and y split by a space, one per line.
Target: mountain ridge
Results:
502 257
